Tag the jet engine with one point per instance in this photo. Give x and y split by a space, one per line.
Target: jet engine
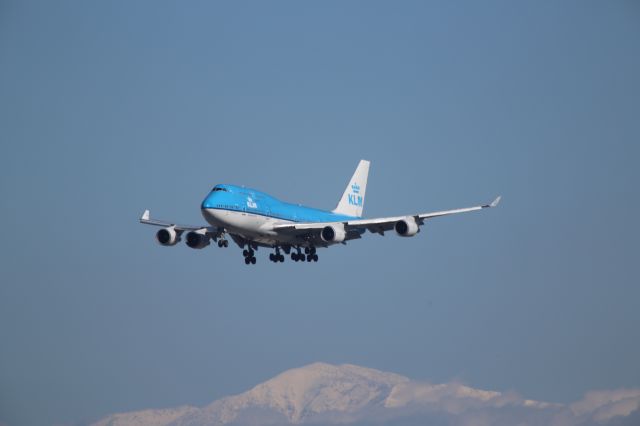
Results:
333 233
168 236
407 227
198 239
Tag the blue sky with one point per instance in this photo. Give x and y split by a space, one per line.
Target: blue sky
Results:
108 108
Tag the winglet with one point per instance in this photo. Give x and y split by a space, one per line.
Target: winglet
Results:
493 203
145 215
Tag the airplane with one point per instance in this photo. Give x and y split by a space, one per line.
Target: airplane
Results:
255 219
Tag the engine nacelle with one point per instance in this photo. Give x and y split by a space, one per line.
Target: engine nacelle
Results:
333 233
168 236
407 227
198 239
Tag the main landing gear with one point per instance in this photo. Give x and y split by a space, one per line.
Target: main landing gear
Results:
222 242
310 255
249 256
297 256
277 256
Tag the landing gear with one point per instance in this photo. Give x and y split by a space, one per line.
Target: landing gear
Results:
297 256
249 256
277 256
310 256
223 243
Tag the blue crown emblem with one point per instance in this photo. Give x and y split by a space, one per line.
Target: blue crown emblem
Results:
355 188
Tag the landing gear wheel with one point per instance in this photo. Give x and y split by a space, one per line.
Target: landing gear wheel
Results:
294 257
281 258
245 253
253 260
315 257
272 257
247 260
306 250
309 257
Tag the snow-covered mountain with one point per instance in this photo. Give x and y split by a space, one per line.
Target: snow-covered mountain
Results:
348 394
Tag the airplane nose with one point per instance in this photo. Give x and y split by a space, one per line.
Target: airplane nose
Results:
207 203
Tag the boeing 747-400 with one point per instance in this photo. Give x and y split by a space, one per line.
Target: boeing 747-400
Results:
255 219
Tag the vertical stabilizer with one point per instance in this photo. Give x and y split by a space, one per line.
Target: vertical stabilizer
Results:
352 201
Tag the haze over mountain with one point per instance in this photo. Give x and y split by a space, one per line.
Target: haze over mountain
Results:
326 394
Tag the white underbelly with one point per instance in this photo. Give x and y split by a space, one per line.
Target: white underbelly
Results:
242 223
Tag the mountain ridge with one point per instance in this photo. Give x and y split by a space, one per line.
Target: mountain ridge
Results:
322 393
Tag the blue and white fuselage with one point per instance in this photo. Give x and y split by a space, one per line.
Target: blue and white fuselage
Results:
254 214
255 219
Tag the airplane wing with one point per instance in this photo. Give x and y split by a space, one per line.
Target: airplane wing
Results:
378 225
146 219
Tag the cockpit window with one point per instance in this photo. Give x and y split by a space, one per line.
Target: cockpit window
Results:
220 189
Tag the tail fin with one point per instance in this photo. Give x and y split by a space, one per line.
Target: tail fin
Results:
352 201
